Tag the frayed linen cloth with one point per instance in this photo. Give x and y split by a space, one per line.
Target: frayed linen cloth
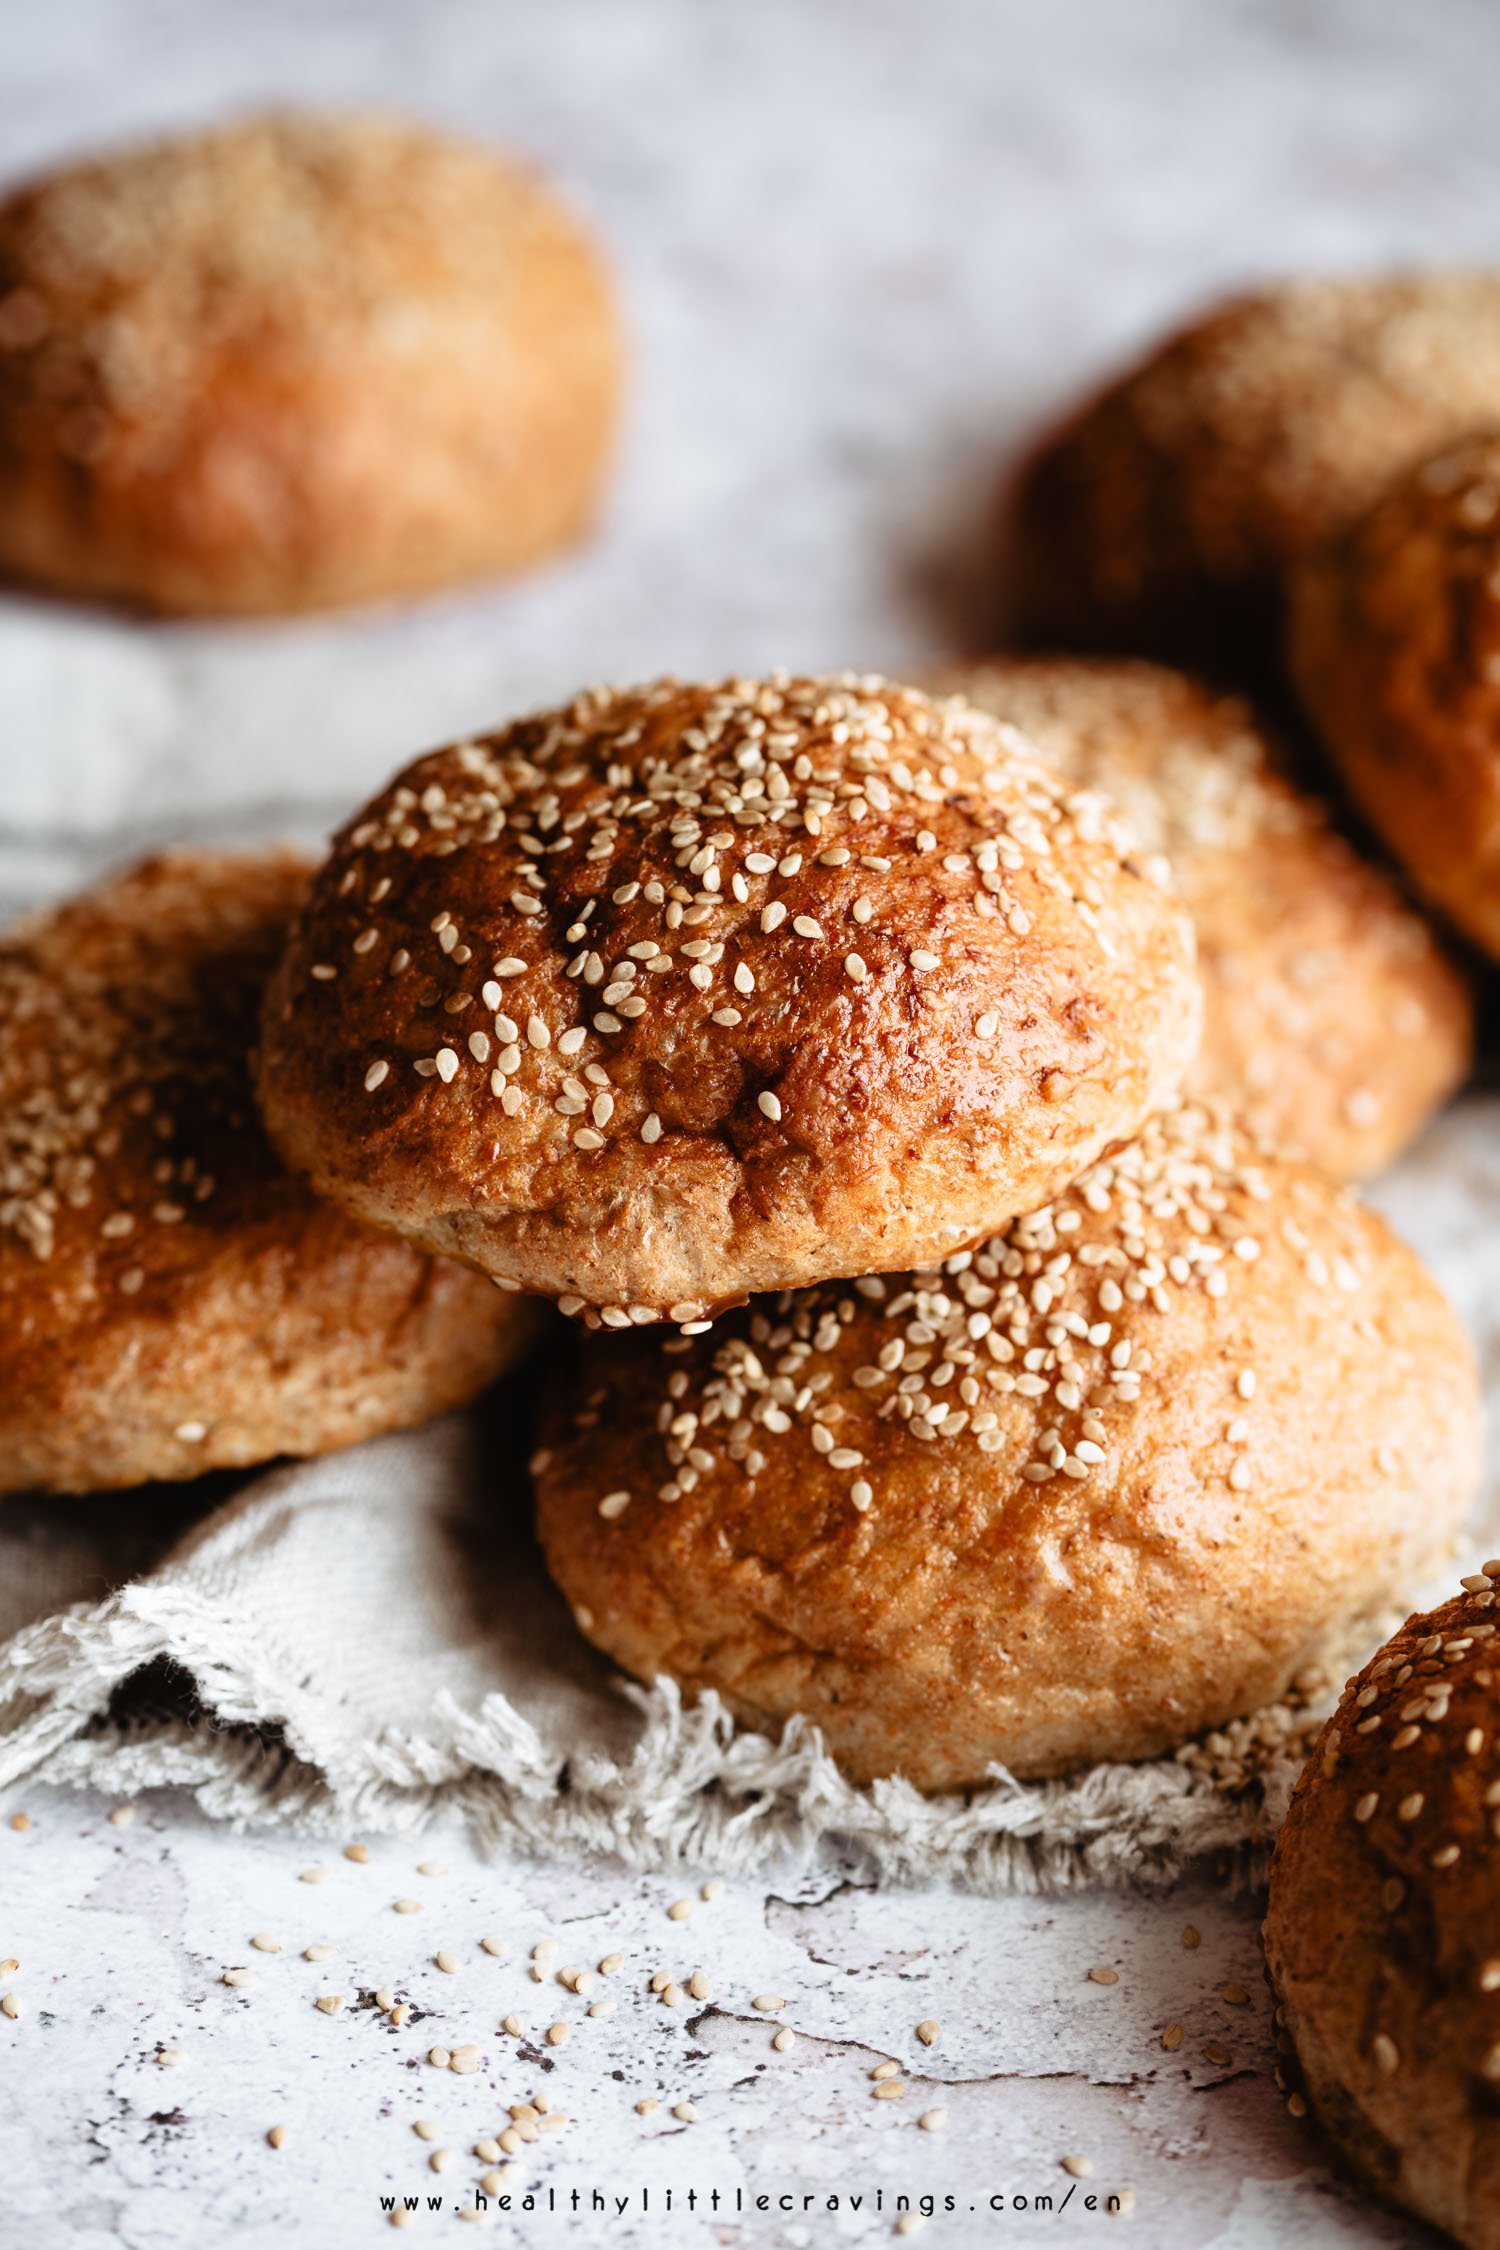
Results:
370 1642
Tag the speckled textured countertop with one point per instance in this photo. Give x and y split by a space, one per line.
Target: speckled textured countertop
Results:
865 244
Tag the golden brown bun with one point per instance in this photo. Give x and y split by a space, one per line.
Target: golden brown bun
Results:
1396 650
296 361
1162 516
171 1300
1383 1930
1107 1481
684 992
1332 1022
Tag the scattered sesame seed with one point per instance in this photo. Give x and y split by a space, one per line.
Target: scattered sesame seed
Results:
311 1952
263 1942
329 2003
406 1905
448 1962
1104 1976
927 2031
277 2136
769 1106
170 2057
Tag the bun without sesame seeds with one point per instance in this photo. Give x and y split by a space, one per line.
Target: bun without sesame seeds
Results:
1395 642
297 361
684 992
1111 1479
1333 1023
171 1299
1382 1930
1162 516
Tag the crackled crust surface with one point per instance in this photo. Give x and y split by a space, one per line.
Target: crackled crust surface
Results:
1382 1932
1162 516
1108 1480
1333 1022
1395 638
293 361
684 992
171 1299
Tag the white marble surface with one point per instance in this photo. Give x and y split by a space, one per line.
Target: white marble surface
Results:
123 1936
864 243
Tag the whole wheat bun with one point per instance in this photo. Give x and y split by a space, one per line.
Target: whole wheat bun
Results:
1382 1933
1162 516
1111 1479
684 992
1333 1023
1395 638
296 361
172 1300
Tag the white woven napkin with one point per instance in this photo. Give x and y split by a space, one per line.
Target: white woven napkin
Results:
370 1641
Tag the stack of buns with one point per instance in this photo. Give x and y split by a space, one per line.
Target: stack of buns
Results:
935 1105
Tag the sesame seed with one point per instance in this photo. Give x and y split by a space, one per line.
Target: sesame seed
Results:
263 1942
768 2003
1104 1976
277 2136
515 2025
925 962
889 2090
933 2120
447 1962
769 1106
11 2006
1077 2167
406 1905
376 1075
558 2034
311 1952
927 2031
496 1946
329 2002
784 2040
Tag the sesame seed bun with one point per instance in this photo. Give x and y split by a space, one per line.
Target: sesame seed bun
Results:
683 992
1163 515
296 361
1382 1933
171 1300
1333 1023
1110 1479
1395 642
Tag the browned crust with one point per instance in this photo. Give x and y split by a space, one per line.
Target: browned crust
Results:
296 361
972 989
1111 1481
1383 1929
1395 641
171 1299
1162 516
1334 1024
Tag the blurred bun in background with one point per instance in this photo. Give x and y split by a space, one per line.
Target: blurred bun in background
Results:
1161 517
294 362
